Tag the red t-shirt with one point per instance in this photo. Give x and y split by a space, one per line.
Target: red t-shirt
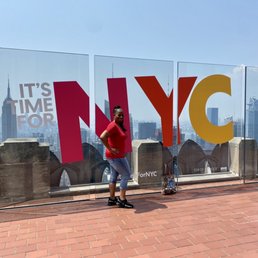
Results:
116 140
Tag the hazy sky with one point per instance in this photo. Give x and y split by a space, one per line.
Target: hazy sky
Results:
221 31
201 31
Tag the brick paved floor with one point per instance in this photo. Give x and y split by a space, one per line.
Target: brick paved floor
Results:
202 222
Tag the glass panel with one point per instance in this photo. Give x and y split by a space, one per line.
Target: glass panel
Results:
29 105
147 86
251 123
210 102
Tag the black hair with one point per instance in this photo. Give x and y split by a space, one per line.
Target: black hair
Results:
114 112
115 109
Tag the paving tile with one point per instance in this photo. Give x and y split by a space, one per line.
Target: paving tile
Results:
181 251
99 243
150 241
15 244
215 244
111 248
130 245
214 253
215 237
16 256
75 254
91 251
26 249
7 251
125 253
136 237
232 250
53 250
164 246
35 254
143 250
162 254
182 243
106 255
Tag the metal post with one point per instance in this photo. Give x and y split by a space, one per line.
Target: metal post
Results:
245 86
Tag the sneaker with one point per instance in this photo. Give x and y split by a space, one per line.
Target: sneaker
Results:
111 201
124 203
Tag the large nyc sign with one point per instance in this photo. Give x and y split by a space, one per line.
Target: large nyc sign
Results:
68 116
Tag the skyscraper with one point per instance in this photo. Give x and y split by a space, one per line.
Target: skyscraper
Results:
238 128
146 130
213 115
9 123
106 107
83 135
131 126
252 119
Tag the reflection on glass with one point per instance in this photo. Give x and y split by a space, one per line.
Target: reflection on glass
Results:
252 114
145 116
29 109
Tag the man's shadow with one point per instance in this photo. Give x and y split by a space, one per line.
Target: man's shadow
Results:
146 205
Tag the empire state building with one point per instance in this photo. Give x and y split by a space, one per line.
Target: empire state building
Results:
9 123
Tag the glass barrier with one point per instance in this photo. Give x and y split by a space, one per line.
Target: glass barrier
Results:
251 116
210 117
190 124
144 89
30 110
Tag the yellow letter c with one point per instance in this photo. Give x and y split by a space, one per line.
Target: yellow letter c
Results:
197 109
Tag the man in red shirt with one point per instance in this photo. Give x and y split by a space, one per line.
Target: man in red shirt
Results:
114 140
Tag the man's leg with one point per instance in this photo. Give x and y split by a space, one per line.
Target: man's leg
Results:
125 173
122 194
122 167
112 200
112 190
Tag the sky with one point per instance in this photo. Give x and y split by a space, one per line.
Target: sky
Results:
205 31
199 31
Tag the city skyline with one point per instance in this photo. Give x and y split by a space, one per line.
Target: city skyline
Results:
252 118
135 122
27 96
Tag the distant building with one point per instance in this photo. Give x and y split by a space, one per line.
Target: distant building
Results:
131 126
146 130
83 135
158 134
106 107
238 128
252 119
213 115
9 122
200 141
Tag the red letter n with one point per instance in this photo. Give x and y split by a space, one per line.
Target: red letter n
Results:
72 103
117 95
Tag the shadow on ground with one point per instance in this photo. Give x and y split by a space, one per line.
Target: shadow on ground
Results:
143 203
